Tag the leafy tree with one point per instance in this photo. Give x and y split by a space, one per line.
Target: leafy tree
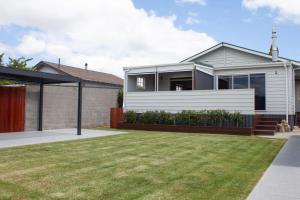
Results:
1 59
19 63
120 98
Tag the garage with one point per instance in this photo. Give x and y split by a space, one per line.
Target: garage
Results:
12 98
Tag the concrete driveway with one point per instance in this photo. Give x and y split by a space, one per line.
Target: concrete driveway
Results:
281 181
38 137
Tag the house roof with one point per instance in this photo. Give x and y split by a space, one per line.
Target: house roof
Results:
239 48
83 74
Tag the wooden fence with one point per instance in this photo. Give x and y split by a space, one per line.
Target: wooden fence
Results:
12 108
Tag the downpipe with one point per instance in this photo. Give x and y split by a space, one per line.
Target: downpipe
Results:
286 92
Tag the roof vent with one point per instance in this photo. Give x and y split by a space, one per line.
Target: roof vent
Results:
58 62
274 45
86 66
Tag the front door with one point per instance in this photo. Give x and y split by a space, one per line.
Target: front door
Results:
258 82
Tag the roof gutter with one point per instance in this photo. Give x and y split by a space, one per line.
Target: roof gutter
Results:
247 66
160 65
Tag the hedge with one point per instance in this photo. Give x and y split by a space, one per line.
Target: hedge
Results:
218 118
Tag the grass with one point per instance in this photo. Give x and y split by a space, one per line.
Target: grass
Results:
137 165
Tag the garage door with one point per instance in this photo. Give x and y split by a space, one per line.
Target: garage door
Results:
12 108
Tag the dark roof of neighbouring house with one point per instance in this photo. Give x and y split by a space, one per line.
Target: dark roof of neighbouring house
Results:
83 74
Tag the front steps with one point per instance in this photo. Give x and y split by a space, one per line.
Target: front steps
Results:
298 118
264 125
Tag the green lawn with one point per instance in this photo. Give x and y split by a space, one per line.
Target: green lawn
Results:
137 165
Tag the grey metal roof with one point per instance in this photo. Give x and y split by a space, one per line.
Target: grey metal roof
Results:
9 73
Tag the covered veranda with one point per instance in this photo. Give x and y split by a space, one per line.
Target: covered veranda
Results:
169 77
42 78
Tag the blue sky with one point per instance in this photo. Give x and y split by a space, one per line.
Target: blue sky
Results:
229 21
112 34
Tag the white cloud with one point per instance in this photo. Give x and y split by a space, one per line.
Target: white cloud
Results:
7 50
285 9
108 34
199 2
30 44
4 48
191 21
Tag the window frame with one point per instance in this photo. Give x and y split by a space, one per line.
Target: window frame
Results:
143 82
249 84
231 76
248 81
265 90
178 88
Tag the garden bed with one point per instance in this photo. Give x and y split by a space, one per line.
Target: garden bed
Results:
186 128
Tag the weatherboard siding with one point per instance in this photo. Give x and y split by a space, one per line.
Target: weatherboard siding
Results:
275 88
49 70
225 56
172 101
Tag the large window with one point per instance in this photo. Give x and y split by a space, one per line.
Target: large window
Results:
225 82
178 84
257 81
240 82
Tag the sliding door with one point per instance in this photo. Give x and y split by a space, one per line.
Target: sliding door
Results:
258 82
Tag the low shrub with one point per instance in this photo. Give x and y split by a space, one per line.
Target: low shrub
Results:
220 118
166 118
130 117
150 117
237 118
183 117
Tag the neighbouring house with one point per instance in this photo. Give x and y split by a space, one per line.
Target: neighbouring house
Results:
99 94
225 76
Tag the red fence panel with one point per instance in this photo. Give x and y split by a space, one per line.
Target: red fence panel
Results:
12 108
116 116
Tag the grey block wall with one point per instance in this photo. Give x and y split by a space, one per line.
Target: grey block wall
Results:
60 106
31 107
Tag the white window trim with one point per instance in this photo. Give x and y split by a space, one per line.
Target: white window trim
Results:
249 87
143 82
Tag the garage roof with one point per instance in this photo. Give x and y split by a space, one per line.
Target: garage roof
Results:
9 73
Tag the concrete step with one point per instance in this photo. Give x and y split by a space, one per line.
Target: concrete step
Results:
269 119
265 127
274 123
264 132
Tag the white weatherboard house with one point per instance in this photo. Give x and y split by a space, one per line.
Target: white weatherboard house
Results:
224 76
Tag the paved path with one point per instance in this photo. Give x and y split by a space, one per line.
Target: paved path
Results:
281 181
38 137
